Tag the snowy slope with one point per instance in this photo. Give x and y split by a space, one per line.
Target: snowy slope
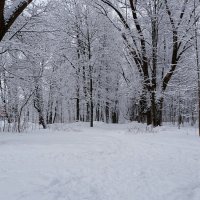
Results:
108 162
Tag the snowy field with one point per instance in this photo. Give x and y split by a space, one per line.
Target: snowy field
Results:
108 162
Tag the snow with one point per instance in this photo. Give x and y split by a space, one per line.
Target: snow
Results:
107 162
14 7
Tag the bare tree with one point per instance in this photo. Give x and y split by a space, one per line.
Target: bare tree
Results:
9 15
138 42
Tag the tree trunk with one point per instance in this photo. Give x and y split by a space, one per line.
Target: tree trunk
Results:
77 109
115 118
38 103
91 98
42 121
107 112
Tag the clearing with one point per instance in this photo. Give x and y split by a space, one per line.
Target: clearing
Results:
107 162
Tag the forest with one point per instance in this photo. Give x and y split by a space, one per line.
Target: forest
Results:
110 61
99 99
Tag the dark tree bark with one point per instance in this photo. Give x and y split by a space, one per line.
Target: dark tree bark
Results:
38 104
91 103
115 118
107 110
5 24
77 108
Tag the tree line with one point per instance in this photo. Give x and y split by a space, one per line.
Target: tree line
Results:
101 60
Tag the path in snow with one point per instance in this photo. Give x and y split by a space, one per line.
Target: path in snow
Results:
108 162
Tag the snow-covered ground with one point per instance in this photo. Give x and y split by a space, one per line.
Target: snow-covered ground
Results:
107 162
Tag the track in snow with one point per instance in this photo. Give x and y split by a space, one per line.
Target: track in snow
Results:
105 163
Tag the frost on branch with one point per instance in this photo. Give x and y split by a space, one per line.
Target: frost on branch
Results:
8 16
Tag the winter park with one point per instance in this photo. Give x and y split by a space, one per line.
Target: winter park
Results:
99 100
